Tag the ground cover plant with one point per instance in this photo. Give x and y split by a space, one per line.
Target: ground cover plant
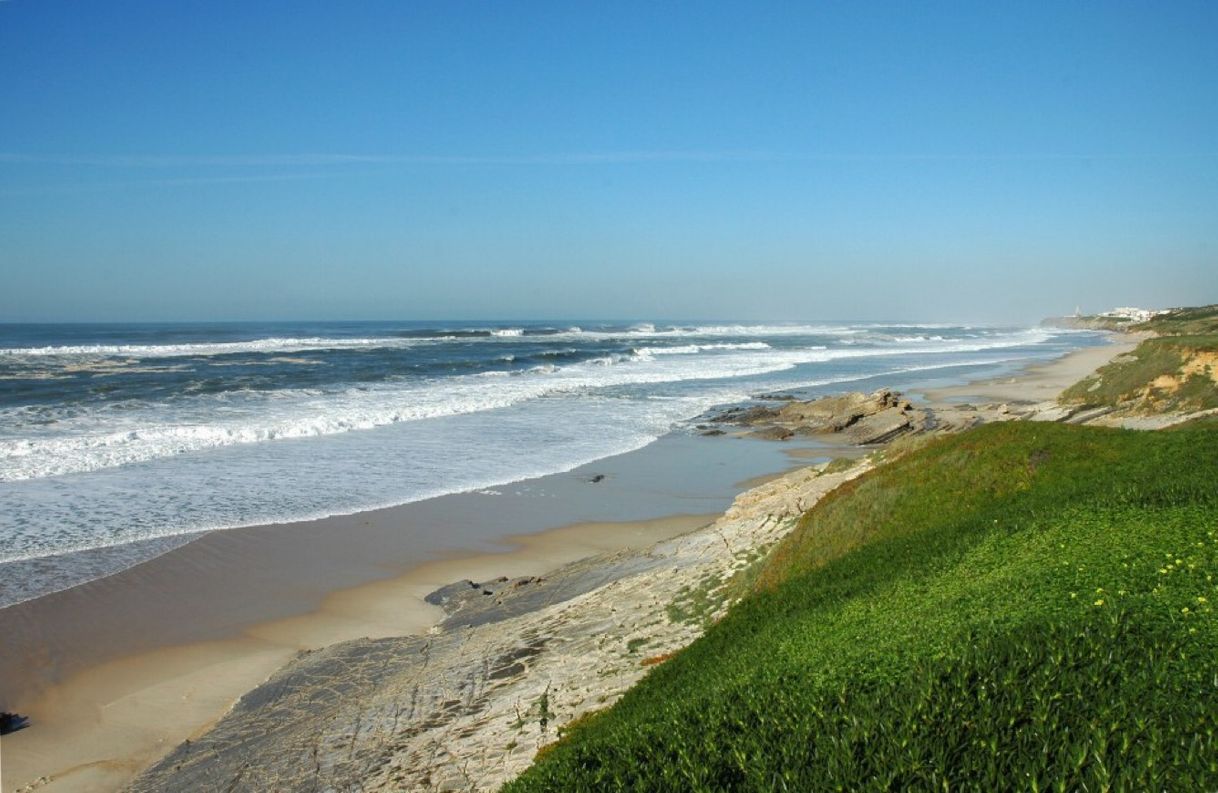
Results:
1020 606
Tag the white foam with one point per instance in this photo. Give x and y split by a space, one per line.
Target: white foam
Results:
117 435
268 345
693 349
643 330
579 418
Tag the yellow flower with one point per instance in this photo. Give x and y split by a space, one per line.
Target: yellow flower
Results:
1099 602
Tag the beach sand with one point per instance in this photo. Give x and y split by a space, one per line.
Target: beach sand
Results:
101 725
1039 382
116 672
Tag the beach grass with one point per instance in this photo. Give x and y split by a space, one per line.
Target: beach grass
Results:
1019 606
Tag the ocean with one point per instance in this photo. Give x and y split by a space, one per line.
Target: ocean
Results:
135 438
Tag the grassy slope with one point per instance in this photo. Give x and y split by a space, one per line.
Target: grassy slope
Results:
1022 605
1130 378
1184 321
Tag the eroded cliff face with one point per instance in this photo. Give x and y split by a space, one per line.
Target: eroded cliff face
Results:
1163 381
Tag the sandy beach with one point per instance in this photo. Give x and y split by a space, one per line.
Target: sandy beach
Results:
1038 382
102 724
117 672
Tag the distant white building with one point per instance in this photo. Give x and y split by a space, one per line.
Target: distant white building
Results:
1131 313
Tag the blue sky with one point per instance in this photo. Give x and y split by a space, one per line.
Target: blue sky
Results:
402 160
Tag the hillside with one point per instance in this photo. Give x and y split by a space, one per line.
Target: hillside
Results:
1092 322
1019 605
1177 371
1184 321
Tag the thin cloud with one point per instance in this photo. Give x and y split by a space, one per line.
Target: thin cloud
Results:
172 182
319 159
323 159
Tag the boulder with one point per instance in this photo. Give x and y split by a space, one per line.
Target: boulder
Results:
872 418
11 722
772 433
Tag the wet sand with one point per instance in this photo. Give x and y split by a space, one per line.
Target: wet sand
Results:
115 672
100 725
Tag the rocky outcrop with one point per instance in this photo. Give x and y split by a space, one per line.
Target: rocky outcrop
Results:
862 419
11 722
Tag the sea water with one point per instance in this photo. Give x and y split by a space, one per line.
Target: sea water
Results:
135 438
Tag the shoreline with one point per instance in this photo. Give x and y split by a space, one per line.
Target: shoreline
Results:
136 707
115 672
225 583
1037 382
118 710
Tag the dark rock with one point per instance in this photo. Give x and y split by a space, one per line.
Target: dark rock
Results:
450 593
772 433
745 415
710 433
463 596
864 419
879 427
11 722
596 478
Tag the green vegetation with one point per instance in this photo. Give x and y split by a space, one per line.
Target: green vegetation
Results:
1098 322
839 465
1209 421
695 604
1019 606
1184 321
1164 373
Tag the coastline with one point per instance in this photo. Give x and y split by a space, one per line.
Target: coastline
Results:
1038 382
105 721
115 672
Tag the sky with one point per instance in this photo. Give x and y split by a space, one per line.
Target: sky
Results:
965 161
